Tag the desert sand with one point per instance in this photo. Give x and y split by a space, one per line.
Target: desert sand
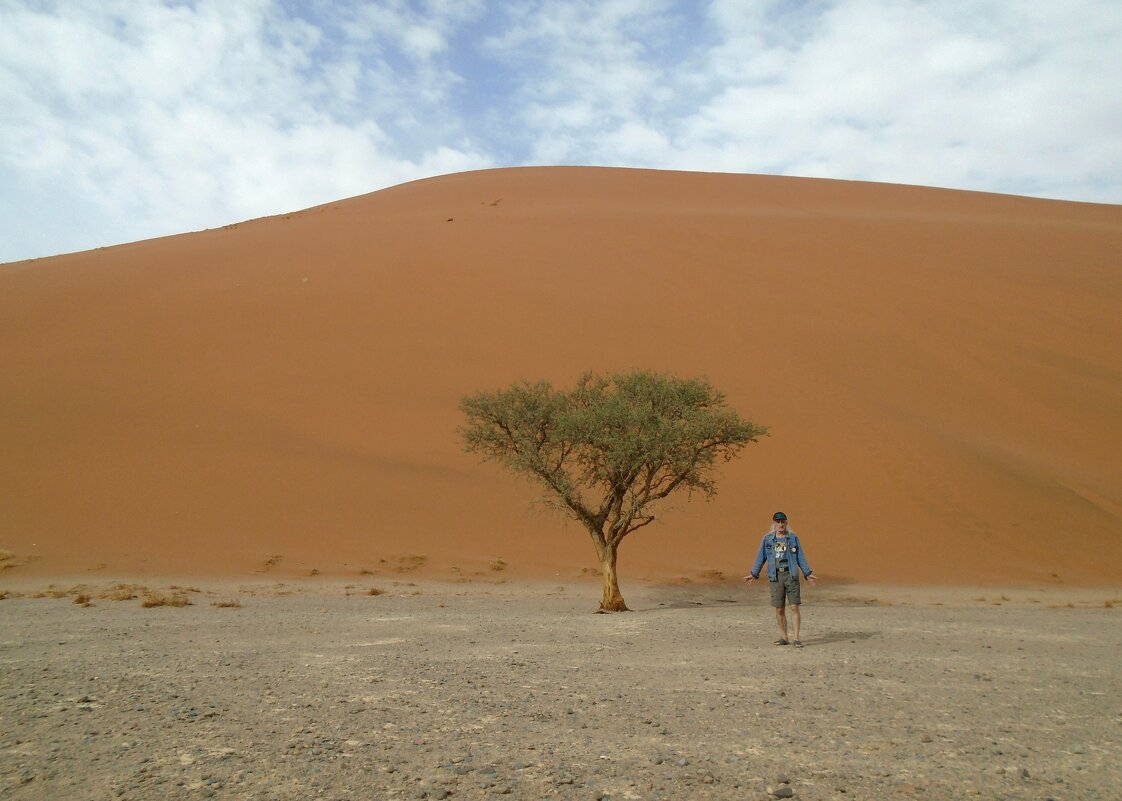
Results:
313 688
941 372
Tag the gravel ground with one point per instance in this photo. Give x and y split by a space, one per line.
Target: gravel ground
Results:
316 690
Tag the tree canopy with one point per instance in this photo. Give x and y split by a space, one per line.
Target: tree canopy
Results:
610 448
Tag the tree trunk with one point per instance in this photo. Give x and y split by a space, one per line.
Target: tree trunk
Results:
612 601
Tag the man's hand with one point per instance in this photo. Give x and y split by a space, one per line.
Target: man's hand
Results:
749 579
813 580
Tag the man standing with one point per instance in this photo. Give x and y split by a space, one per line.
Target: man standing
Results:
785 558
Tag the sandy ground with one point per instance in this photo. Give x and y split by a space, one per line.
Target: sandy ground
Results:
319 689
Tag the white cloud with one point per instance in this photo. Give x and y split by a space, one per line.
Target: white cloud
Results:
143 117
180 117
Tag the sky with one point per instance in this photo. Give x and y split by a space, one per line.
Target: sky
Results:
123 120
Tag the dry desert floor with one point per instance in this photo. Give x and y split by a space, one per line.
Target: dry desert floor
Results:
318 689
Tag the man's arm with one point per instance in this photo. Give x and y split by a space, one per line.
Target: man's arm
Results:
754 573
804 565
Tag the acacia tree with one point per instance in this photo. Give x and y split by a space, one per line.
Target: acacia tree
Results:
609 449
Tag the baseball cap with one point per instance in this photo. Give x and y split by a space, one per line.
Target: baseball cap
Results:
779 516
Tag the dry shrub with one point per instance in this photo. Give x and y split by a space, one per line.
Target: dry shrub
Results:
7 559
498 565
1110 603
122 592
234 604
82 599
712 575
272 561
8 594
375 591
314 571
365 572
154 599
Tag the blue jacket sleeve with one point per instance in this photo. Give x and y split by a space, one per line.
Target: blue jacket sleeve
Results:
803 564
760 558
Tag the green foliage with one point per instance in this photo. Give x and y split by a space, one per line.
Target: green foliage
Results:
612 446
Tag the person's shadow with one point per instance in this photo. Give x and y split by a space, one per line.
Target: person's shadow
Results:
838 636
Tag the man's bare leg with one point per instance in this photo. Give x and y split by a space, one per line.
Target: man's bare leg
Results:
796 619
781 621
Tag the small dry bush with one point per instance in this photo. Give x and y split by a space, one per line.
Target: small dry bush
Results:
375 591
234 604
82 599
365 572
122 592
7 559
1110 603
154 599
8 594
498 565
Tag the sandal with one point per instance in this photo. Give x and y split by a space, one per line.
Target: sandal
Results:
780 642
798 643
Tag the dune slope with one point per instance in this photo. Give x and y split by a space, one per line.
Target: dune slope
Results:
941 372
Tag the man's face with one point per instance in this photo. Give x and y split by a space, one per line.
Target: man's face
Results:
780 526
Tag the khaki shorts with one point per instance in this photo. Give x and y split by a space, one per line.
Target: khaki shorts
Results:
785 590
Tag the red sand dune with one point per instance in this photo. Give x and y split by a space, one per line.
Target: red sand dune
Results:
941 372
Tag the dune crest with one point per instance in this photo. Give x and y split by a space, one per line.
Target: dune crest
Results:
941 372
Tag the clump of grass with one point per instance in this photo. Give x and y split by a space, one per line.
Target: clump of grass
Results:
712 575
230 604
375 591
314 571
272 561
154 599
365 572
498 565
8 594
7 559
83 599
1110 603
122 592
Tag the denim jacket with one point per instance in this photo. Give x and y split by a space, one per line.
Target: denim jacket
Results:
795 555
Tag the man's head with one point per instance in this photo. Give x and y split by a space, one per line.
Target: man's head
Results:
780 521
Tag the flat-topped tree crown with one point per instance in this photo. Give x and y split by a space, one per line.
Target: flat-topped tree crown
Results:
610 448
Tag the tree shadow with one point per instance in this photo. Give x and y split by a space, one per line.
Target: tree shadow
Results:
661 606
